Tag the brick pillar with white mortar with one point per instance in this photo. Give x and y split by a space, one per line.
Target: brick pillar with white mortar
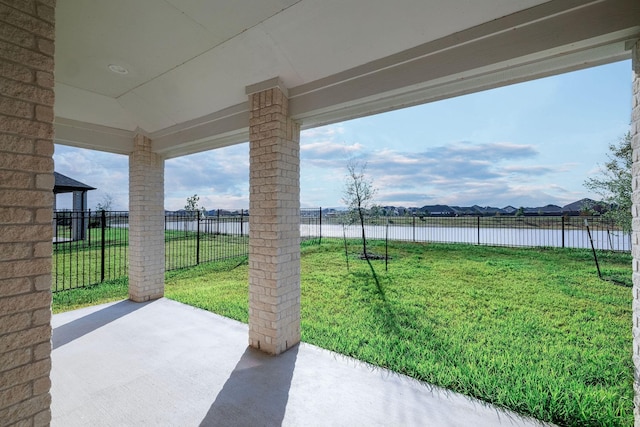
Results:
635 249
26 209
274 220
146 222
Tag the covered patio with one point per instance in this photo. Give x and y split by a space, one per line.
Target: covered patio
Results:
164 363
160 79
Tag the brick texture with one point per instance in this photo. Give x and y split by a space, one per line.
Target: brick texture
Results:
635 143
146 222
274 231
26 208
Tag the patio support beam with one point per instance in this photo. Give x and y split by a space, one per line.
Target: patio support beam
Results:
146 222
635 170
274 220
26 210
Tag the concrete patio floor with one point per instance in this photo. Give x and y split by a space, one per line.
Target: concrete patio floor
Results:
163 363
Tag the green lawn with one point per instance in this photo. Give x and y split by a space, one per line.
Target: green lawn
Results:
78 263
533 330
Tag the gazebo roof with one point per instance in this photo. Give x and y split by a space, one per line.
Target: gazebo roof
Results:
64 184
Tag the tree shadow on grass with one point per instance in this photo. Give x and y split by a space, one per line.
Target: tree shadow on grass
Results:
386 313
243 261
395 318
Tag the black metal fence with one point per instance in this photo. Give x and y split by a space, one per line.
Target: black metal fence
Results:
515 231
91 247
191 239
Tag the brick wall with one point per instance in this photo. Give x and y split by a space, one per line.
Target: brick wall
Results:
635 143
146 222
26 208
274 224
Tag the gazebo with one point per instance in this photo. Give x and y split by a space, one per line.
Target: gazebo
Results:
79 222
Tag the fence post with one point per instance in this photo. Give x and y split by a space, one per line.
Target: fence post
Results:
197 237
242 221
414 228
478 229
563 231
218 223
320 240
386 246
103 222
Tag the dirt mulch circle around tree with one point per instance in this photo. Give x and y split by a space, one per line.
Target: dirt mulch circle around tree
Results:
373 256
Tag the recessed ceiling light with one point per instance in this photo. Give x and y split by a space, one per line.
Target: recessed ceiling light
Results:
118 69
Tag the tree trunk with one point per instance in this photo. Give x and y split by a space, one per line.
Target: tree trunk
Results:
364 238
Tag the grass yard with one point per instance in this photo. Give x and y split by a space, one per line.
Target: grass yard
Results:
76 263
181 248
79 263
533 330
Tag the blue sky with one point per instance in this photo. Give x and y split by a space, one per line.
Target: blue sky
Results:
528 144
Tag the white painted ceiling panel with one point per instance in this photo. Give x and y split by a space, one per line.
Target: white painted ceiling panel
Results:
148 37
91 107
228 18
148 116
216 79
324 37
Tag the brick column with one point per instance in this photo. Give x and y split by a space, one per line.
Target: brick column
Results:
274 222
635 144
26 209
146 222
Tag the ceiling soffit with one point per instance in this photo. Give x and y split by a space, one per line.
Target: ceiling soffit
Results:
147 37
551 38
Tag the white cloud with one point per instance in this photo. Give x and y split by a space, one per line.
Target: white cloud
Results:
460 173
329 148
323 132
219 177
109 173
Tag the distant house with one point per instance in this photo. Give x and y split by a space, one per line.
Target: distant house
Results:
579 206
509 210
305 213
329 212
465 210
550 210
492 211
487 210
438 210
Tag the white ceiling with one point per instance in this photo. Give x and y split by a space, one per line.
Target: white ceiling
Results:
189 61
